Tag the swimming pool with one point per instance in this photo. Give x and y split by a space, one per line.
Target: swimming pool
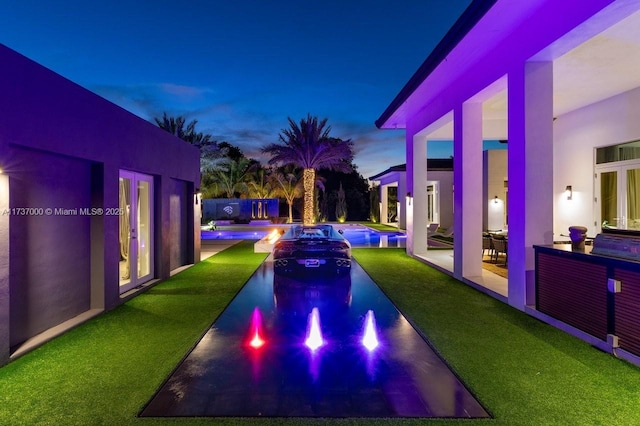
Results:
357 235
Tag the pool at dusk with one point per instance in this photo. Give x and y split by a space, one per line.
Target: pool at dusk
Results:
358 236
312 347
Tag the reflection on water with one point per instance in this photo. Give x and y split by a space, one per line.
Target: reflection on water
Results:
225 375
293 296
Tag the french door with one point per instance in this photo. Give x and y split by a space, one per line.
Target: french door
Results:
136 229
618 200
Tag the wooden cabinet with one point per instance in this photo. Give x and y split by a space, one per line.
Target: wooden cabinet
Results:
596 294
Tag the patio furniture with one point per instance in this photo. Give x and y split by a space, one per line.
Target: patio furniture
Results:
487 245
432 229
447 233
499 246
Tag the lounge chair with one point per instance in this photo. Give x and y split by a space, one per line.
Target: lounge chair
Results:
447 232
432 229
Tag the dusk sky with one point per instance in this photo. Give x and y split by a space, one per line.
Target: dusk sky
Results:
242 67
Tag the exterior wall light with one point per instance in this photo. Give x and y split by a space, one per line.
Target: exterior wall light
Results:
409 198
496 200
569 192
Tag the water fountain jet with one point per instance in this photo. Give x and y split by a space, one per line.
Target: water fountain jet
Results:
314 334
370 337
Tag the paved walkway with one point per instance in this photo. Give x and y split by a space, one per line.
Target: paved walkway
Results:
210 247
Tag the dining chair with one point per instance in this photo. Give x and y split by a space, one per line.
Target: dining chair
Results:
499 246
487 245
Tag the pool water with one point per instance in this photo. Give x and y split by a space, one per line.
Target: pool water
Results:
358 236
256 359
365 237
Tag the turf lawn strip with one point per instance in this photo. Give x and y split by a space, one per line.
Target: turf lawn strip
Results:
104 371
525 372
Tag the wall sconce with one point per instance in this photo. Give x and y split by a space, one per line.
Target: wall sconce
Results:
568 192
197 196
409 198
496 200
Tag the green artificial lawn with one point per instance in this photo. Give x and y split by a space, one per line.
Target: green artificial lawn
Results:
380 226
523 371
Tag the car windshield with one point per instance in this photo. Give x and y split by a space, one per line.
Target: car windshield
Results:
311 232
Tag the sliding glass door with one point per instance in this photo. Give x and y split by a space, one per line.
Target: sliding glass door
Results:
136 229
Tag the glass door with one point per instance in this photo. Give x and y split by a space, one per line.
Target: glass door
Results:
136 229
618 200
433 215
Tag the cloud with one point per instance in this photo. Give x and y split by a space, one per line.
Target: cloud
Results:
184 93
254 119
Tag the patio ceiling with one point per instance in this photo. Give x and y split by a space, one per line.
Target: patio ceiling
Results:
598 60
603 66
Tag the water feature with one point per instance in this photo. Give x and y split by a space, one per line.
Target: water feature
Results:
322 347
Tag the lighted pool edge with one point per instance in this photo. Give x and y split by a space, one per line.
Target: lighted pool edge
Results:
358 237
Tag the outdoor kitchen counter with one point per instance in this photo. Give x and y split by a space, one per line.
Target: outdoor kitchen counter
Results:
599 295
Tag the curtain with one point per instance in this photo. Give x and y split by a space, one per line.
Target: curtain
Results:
124 195
633 198
609 202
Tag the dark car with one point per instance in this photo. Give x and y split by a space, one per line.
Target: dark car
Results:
312 249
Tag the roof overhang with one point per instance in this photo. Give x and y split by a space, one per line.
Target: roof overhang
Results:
595 47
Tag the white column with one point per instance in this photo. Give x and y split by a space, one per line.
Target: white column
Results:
402 195
5 323
417 187
384 204
530 165
467 190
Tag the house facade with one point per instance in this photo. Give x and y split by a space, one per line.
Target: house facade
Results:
95 204
439 193
558 80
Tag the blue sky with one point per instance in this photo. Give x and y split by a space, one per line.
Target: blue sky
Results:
242 67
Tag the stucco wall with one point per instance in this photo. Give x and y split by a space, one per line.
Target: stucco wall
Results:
62 146
576 135
50 252
495 173
179 227
445 196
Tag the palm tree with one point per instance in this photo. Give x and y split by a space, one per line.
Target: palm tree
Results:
231 177
259 184
209 150
288 186
310 147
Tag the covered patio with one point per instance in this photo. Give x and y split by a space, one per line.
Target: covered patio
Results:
555 79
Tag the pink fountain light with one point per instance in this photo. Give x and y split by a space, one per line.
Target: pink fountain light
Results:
370 337
314 334
255 338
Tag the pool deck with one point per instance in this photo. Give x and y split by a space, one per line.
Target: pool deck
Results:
210 247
